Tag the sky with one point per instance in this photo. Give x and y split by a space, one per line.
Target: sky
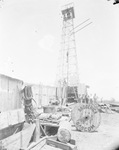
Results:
30 40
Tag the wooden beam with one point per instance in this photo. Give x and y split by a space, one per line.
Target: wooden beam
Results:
6 132
60 145
4 120
37 145
37 132
20 139
12 117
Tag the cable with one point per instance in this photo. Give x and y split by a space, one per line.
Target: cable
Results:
80 24
82 27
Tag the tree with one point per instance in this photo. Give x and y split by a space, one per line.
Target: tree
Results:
115 2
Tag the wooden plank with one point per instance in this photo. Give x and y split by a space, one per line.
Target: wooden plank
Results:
37 145
49 124
21 115
6 132
48 147
60 145
19 140
12 117
3 120
9 93
37 133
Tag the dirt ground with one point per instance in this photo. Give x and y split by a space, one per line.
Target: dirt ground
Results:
105 138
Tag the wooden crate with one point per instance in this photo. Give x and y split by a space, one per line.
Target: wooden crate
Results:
69 146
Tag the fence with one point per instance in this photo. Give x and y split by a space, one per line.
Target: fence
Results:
43 94
10 93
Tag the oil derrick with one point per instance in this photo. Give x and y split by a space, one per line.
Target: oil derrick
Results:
68 66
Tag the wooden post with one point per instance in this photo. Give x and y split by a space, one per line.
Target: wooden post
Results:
19 140
37 131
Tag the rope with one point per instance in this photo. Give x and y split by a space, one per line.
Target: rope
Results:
28 93
28 97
